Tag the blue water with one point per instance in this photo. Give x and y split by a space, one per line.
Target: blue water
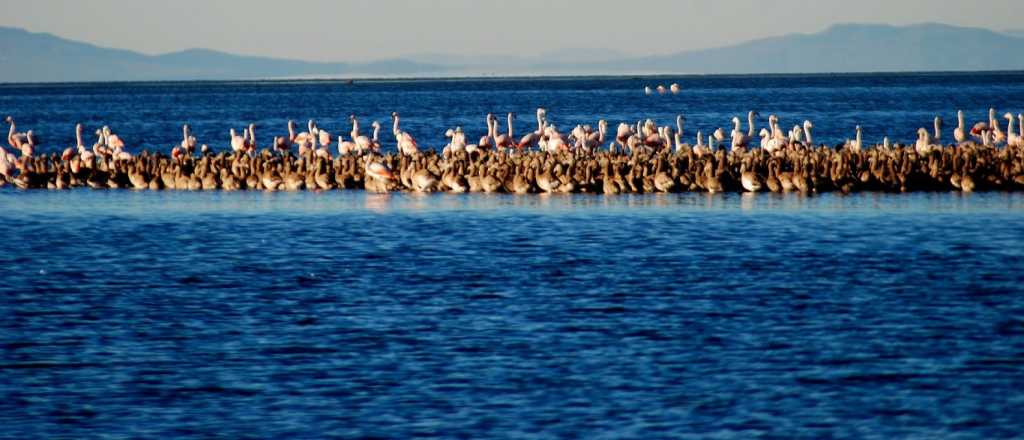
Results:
150 115
309 315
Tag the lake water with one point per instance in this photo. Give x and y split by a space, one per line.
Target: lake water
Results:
150 115
163 314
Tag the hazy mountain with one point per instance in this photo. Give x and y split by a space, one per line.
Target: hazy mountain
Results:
40 57
1019 33
849 48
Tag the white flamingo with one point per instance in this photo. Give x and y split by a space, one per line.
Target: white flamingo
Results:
856 144
406 143
960 133
807 132
237 142
1012 139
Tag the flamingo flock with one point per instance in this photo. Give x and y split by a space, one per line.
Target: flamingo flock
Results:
640 157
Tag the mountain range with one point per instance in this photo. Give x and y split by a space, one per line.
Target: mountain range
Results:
41 57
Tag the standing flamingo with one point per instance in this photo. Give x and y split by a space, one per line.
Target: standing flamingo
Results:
531 139
487 141
237 142
1012 139
406 143
960 133
15 139
504 140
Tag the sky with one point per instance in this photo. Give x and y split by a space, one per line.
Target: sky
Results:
360 30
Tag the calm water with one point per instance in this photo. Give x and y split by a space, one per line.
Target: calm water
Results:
149 115
344 313
159 314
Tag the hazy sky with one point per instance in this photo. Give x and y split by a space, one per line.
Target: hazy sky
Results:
372 29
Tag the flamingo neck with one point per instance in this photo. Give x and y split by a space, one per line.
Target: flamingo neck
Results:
938 129
510 125
960 120
750 124
78 136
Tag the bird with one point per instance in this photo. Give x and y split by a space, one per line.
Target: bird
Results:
406 143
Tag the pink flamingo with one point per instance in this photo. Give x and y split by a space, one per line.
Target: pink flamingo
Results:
378 170
504 140
15 139
533 139
112 140
406 143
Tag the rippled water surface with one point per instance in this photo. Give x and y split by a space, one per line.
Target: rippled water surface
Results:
160 314
149 115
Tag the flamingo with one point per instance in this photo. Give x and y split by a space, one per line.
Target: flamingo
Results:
807 132
188 142
979 129
406 143
661 89
998 136
29 146
7 164
1012 139
797 134
648 91
237 142
457 142
680 122
960 133
364 143
699 148
924 143
595 140
488 140
100 149
504 140
112 140
307 139
291 133
623 133
346 148
531 139
377 170
674 88
15 139
252 145
719 135
739 138
856 144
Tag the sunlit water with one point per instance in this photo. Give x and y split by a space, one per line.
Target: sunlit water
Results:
159 314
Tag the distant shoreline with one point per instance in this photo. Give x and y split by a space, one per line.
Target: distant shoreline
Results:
482 78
